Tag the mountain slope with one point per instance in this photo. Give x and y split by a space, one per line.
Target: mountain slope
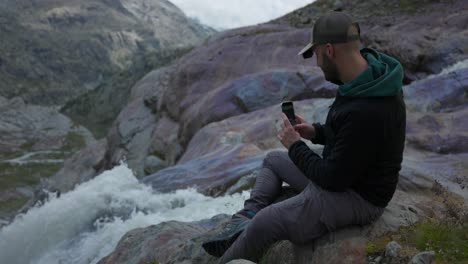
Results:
55 50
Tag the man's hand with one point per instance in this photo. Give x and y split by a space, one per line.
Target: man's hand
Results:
305 129
287 134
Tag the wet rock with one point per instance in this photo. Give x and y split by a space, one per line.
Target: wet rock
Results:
425 257
128 138
164 142
392 249
212 173
240 261
154 164
169 242
441 93
81 167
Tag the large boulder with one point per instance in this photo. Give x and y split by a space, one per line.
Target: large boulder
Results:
213 173
445 92
128 138
210 84
438 112
168 242
26 127
258 127
233 74
222 153
81 167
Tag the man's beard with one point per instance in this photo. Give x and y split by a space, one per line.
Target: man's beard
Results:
330 71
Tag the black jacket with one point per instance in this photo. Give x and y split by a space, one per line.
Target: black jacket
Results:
364 140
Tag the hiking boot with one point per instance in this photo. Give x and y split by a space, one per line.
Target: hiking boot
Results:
219 243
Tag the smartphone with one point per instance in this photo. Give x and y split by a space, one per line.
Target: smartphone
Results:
288 109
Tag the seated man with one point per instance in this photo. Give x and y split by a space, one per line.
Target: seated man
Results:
356 176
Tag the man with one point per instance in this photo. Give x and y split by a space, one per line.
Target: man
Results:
357 174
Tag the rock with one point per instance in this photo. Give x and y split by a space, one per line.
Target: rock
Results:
169 242
425 257
38 127
216 81
154 164
81 167
441 93
437 117
259 127
243 139
210 174
128 139
240 261
210 84
392 248
164 142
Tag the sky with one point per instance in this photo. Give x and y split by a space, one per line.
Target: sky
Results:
227 14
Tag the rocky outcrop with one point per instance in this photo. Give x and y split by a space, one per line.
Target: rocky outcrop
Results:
228 161
232 74
408 30
81 167
54 51
212 83
25 127
137 246
431 173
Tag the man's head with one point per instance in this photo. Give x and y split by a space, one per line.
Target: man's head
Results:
335 39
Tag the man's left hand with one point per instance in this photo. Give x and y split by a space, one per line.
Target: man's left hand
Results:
287 135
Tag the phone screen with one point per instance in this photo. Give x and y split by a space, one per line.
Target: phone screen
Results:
288 109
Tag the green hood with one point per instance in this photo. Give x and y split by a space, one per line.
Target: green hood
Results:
383 77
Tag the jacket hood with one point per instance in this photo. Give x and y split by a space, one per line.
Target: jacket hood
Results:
382 77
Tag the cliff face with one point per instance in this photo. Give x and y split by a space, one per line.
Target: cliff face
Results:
53 51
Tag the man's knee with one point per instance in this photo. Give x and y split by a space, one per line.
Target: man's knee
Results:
266 224
274 158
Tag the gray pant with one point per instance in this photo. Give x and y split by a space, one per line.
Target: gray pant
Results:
304 217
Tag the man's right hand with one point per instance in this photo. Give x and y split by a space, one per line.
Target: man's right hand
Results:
305 129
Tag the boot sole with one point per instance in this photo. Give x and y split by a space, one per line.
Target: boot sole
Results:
218 247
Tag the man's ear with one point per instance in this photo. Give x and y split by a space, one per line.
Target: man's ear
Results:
329 51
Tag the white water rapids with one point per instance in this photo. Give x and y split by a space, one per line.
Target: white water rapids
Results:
85 225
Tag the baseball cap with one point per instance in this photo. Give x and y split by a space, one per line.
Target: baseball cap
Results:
330 28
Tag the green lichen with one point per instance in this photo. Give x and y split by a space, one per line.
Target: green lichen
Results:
15 175
12 205
449 240
73 142
260 31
